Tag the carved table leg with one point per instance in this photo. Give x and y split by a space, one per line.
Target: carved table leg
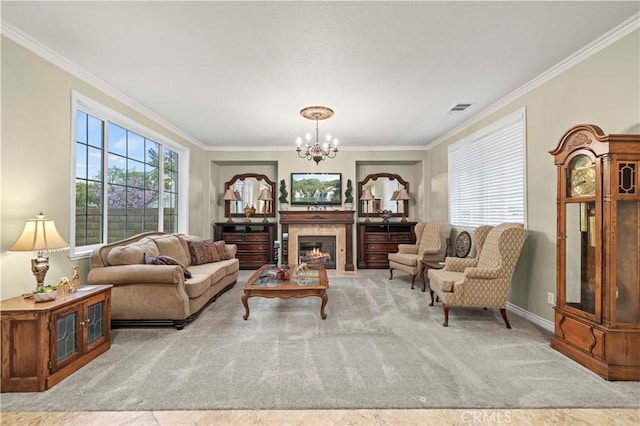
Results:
324 298
245 297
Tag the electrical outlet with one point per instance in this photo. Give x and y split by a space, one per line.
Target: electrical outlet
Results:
551 298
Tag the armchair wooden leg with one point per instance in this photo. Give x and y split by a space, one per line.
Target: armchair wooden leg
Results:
413 280
431 292
504 317
390 273
446 316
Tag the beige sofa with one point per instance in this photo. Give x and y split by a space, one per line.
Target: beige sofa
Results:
159 294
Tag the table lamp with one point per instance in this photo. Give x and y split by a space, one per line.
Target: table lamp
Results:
403 195
40 236
366 197
230 195
266 197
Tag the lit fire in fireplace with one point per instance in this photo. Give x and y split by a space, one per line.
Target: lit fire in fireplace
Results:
317 255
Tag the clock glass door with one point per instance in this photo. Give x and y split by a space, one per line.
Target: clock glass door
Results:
580 247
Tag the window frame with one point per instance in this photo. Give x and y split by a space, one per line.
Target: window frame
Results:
508 120
80 102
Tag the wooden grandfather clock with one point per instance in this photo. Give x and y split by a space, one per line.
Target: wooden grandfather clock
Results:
597 312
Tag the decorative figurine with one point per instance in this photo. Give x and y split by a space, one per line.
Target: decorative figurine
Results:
75 280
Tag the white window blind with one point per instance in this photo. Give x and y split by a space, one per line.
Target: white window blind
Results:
487 175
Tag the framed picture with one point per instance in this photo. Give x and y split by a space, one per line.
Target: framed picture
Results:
316 189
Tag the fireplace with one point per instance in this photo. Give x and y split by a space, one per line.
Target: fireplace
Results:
317 249
334 223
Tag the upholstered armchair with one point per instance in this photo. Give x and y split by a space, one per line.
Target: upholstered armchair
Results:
431 245
460 263
484 281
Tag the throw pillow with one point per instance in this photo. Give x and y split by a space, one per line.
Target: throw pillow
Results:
166 260
203 251
222 253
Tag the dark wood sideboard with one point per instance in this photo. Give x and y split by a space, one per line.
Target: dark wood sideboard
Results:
376 240
254 241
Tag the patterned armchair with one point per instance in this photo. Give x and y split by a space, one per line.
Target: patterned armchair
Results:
484 281
431 245
460 263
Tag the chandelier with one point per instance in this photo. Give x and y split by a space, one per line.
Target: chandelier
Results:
315 151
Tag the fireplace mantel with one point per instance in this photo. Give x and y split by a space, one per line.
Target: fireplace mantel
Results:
320 217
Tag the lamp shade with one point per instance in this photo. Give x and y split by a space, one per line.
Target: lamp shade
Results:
229 195
394 196
402 195
39 235
237 195
366 195
265 195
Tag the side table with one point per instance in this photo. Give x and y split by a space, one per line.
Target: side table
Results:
42 343
424 267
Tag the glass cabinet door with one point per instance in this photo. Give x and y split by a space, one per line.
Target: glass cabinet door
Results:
66 337
95 322
627 291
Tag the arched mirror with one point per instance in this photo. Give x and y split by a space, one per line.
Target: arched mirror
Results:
383 191
251 190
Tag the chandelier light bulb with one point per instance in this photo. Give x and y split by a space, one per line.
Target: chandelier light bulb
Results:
299 141
329 137
308 137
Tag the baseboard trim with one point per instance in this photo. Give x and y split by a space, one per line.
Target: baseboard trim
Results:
536 319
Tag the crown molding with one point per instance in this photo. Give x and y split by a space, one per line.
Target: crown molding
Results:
590 49
341 149
50 55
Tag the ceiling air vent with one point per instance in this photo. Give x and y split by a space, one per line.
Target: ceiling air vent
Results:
459 107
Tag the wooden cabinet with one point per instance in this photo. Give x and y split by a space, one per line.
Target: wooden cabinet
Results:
42 343
377 240
597 315
254 241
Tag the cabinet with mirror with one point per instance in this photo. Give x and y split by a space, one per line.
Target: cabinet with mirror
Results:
379 191
253 192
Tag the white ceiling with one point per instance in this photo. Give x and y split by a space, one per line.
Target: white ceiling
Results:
236 74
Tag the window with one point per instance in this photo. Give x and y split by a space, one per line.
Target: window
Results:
487 175
127 178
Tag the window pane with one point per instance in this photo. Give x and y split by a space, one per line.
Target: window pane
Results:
135 146
151 178
94 163
135 174
81 127
117 167
81 161
151 153
95 132
117 140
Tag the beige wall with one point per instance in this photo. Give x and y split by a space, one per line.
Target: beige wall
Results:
35 160
604 90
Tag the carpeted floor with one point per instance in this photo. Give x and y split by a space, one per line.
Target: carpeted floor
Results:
381 346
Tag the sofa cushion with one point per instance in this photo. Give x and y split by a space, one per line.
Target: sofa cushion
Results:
166 260
171 245
204 276
132 254
204 251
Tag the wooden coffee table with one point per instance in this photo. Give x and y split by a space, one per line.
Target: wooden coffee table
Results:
262 283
